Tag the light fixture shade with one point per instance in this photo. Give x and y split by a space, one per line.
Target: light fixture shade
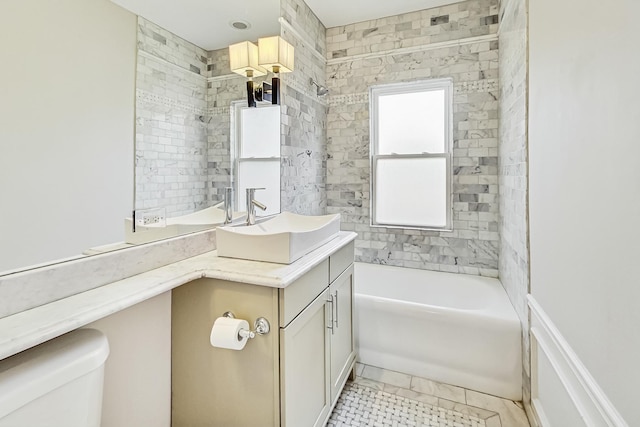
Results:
275 52
243 59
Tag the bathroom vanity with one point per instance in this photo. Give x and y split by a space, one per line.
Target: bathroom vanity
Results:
291 376
113 283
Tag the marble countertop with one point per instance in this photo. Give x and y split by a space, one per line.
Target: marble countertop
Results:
29 328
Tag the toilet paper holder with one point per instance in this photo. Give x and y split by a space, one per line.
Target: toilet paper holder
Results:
261 325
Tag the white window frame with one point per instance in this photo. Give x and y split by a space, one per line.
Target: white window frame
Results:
236 154
375 92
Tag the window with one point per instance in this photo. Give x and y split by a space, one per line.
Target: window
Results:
411 131
257 155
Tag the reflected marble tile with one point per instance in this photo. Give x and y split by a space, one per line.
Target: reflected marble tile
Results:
437 389
511 414
388 377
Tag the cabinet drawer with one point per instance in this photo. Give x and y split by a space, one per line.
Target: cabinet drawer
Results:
339 261
295 297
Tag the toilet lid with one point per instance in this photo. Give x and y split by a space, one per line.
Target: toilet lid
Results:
37 371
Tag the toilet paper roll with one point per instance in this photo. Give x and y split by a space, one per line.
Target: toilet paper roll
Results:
225 333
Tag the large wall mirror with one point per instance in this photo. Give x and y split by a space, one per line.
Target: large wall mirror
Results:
190 143
89 116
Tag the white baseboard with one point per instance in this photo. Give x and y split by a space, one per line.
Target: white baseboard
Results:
590 401
538 414
532 415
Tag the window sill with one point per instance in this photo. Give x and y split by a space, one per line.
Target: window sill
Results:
411 227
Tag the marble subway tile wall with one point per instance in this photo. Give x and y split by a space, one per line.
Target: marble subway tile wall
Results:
512 161
303 114
223 88
458 41
171 122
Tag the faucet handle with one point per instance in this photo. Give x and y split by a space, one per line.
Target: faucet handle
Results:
251 191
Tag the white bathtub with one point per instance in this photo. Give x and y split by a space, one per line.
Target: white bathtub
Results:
452 328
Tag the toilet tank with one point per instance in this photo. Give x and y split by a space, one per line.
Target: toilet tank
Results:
57 383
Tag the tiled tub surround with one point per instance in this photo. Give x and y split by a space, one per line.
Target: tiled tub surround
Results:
512 161
171 123
53 318
457 329
457 41
304 114
380 397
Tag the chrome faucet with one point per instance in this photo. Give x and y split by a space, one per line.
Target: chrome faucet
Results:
228 205
251 205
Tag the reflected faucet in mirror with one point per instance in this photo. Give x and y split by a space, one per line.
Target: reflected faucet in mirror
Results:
228 205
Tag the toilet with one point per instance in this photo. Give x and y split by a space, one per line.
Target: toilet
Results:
57 383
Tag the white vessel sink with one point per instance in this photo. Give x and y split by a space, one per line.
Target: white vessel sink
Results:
283 239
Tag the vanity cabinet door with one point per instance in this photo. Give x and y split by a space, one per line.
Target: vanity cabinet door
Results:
304 366
342 343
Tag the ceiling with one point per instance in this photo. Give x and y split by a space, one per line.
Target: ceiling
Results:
207 23
334 13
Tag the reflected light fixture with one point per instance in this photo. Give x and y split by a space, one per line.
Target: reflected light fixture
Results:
276 55
243 60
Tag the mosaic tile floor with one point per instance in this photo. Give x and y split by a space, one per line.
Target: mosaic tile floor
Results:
363 406
379 397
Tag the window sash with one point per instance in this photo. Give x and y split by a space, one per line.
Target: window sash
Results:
448 201
397 110
445 84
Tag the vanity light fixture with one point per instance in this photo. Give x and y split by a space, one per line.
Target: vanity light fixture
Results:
272 54
276 55
243 60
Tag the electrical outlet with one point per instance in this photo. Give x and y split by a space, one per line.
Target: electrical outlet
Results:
149 218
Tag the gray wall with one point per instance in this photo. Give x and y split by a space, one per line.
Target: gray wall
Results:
67 85
584 183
